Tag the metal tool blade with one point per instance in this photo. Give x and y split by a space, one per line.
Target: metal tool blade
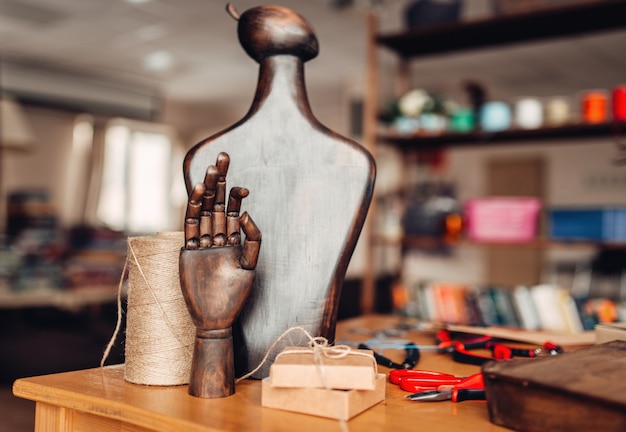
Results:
431 395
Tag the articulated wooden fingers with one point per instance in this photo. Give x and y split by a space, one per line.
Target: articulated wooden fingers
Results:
192 217
222 163
211 178
208 222
232 214
219 208
234 200
206 219
251 244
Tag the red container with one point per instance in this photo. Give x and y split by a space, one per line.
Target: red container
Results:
619 103
595 107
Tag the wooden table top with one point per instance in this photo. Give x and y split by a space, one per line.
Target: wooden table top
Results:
103 392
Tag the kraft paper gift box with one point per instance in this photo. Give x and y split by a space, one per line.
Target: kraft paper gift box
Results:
321 402
349 386
296 367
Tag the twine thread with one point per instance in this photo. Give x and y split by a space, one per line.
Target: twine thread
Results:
159 329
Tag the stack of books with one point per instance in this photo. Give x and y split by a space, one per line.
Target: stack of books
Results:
540 307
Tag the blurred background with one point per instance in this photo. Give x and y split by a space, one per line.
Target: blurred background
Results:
101 100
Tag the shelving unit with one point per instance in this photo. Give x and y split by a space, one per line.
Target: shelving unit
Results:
62 299
552 23
538 243
556 135
556 22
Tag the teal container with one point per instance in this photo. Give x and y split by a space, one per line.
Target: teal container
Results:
462 121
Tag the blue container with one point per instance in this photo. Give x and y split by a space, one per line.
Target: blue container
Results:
495 116
590 224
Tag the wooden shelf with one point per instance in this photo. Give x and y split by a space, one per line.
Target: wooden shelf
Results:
565 21
67 299
563 134
538 243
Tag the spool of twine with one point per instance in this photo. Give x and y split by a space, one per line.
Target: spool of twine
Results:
159 330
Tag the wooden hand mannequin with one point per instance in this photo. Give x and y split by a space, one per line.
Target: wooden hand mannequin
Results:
312 189
216 274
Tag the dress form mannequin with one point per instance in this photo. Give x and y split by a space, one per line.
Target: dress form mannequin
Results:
309 190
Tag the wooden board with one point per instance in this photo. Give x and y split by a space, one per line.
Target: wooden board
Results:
538 337
582 390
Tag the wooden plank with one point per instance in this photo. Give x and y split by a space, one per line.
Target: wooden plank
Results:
370 109
533 337
87 422
577 391
49 417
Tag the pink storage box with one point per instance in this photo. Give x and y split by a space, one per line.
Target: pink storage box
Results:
502 219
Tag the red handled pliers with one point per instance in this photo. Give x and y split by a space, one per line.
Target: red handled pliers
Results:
499 351
427 385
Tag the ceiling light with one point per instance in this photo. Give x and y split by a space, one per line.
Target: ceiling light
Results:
158 61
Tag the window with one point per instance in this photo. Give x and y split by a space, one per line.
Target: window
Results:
77 172
142 187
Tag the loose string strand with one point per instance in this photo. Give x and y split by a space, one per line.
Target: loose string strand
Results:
270 349
118 323
317 345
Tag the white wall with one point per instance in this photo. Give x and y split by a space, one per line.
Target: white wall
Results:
44 165
579 172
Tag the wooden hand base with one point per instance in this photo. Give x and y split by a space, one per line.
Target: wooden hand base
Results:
212 367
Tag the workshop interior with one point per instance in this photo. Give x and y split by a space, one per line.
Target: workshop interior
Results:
380 207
